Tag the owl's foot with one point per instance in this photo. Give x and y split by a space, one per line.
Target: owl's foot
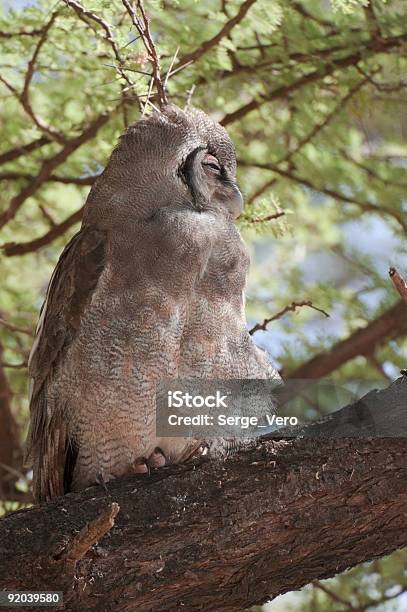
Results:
155 460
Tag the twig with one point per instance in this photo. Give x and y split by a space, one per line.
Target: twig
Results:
14 366
291 308
370 171
84 14
337 195
170 68
15 328
374 603
383 45
24 96
206 46
305 13
372 23
47 215
399 283
262 189
276 215
150 89
284 90
318 127
143 27
333 595
387 87
375 363
190 93
90 535
13 471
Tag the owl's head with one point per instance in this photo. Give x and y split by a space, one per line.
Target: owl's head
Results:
173 158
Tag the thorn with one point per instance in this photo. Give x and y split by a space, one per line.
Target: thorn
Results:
131 42
170 68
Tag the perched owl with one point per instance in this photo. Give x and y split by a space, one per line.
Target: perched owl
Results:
150 288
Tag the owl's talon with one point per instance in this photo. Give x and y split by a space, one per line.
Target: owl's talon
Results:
201 451
157 458
141 467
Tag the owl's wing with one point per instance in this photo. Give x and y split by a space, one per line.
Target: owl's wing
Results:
49 449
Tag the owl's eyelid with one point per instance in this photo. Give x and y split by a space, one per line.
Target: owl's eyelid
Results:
212 165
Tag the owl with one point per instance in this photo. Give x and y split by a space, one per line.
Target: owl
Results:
150 288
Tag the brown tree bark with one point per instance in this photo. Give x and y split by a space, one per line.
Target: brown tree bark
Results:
221 535
10 449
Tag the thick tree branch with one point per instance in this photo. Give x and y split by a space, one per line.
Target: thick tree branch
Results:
33 32
361 342
373 46
21 248
49 165
65 180
220 535
21 150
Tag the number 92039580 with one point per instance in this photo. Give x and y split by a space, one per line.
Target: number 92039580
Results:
31 598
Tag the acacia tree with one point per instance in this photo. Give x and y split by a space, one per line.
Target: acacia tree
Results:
312 95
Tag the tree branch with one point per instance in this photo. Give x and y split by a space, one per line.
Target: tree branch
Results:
142 26
337 195
49 165
399 283
361 342
14 248
221 535
370 47
65 180
206 46
33 32
271 217
84 14
15 328
24 96
21 150
290 308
